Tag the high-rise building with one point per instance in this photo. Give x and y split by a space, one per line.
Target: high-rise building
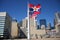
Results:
57 21
5 25
14 29
42 22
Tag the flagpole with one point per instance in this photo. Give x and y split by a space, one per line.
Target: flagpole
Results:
28 36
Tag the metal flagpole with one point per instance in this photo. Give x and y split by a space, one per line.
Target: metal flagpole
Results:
28 36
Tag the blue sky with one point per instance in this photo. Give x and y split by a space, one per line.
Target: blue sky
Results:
18 8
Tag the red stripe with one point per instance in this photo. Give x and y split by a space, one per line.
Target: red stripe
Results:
37 12
31 5
38 6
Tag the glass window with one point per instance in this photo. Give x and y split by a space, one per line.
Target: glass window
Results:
2 16
1 30
1 33
2 21
1 25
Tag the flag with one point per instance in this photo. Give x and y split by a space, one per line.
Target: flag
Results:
34 10
31 5
38 6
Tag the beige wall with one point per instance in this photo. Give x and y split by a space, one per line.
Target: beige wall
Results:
24 23
57 27
24 26
34 30
14 30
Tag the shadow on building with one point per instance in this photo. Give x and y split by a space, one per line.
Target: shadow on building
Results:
22 35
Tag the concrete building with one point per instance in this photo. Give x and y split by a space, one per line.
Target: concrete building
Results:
57 21
5 25
48 28
57 17
14 29
34 32
23 28
53 33
24 22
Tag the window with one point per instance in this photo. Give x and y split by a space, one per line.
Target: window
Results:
1 30
2 16
1 33
2 21
1 25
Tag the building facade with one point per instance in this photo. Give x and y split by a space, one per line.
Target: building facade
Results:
5 25
14 29
23 28
57 21
34 32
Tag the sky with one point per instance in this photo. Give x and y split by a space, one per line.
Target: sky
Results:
18 9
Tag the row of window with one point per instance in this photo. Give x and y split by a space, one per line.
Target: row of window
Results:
2 16
2 22
2 19
1 25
